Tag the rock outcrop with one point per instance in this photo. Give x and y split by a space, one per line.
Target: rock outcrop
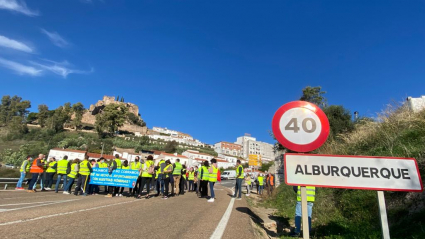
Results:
89 117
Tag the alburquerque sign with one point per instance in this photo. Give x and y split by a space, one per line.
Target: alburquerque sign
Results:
355 172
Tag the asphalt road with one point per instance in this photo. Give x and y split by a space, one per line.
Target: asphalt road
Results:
51 215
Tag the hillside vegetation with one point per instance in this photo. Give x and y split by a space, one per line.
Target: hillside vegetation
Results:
339 213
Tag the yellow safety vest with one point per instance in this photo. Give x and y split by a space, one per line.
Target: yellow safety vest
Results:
260 180
248 181
73 172
156 174
84 168
178 169
213 175
160 163
50 168
191 176
27 168
125 167
62 166
166 168
135 166
237 172
311 193
205 174
118 161
102 165
147 165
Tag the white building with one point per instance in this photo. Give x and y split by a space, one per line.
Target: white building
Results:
193 154
416 104
72 154
228 148
228 158
250 145
179 140
173 157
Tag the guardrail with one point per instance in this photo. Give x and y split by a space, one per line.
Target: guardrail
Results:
5 181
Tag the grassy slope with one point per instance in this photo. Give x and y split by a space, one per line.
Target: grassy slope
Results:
340 213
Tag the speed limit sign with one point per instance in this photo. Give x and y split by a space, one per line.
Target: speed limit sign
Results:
300 126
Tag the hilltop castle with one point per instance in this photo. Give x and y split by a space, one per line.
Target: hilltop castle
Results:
89 117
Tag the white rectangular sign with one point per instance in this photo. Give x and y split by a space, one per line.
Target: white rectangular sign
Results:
355 172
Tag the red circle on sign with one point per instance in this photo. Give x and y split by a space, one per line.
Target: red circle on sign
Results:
319 141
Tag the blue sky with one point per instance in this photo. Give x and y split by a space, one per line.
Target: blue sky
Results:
213 69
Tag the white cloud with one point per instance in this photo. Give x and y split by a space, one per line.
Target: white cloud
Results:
55 38
17 6
20 68
60 68
13 44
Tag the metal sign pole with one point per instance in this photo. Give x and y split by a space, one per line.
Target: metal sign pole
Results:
306 231
383 215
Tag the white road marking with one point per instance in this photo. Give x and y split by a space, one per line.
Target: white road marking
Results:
219 230
20 208
30 197
15 204
64 213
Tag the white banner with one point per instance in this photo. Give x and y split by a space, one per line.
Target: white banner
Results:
354 172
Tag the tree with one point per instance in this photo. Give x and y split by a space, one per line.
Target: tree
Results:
314 95
32 117
136 120
339 119
110 119
11 107
78 110
18 126
67 111
43 112
171 147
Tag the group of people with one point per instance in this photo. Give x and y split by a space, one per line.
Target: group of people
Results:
170 179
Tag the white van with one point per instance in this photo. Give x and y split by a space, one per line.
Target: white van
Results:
228 174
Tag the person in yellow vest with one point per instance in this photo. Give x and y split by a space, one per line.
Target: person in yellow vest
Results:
239 179
136 165
147 172
260 184
160 182
168 173
124 166
83 178
248 184
25 168
50 172
212 174
177 173
183 181
73 174
205 178
311 195
113 165
102 164
63 168
191 179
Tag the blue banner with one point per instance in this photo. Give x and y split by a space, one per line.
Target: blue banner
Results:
120 177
